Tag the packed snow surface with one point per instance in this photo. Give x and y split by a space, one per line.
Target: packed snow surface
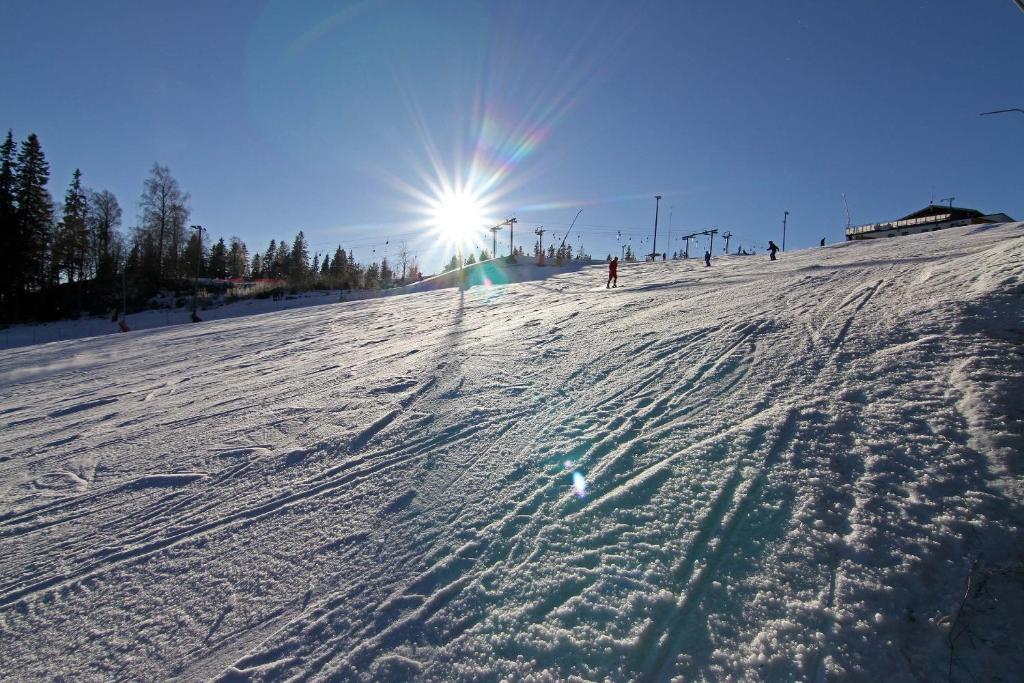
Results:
801 469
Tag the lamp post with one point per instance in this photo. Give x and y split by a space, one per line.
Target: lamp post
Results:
654 244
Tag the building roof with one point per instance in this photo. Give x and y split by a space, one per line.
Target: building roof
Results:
956 212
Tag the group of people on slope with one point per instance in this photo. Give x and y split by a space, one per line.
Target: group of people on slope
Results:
613 265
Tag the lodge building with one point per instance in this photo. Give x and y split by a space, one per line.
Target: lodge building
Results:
932 217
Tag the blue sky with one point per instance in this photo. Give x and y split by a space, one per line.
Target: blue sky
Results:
348 119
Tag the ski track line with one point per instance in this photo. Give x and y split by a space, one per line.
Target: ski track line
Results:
512 526
660 468
172 505
498 549
727 515
237 519
841 337
448 436
453 568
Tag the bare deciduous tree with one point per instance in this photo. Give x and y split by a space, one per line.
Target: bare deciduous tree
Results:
164 215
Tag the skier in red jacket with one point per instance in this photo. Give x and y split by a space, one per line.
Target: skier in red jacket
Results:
613 273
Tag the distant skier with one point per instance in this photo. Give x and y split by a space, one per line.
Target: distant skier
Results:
772 248
707 259
822 241
613 273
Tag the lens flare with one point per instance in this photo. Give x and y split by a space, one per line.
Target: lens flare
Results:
579 484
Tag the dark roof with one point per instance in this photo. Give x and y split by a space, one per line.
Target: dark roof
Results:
939 209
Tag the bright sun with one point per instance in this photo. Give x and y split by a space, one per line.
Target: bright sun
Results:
459 216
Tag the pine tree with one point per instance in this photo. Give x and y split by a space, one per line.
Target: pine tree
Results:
267 268
325 267
194 257
34 214
371 280
11 243
218 267
280 262
339 266
298 260
72 242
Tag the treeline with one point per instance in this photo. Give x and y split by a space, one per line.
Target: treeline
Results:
73 259
342 271
562 253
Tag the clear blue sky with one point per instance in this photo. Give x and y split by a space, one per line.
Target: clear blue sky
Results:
344 118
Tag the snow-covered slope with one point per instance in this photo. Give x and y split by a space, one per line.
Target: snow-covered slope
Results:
762 470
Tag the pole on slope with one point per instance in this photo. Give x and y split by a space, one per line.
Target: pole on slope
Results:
539 232
711 244
654 242
727 236
671 209
785 217
570 229
494 236
511 235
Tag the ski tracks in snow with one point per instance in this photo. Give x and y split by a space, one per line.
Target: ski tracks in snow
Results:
391 489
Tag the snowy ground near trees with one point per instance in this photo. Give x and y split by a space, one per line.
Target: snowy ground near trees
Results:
764 471
495 270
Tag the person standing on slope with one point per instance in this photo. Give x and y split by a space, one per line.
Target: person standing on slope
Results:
772 248
613 273
707 259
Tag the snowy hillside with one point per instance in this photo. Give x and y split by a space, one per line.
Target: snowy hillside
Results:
764 471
